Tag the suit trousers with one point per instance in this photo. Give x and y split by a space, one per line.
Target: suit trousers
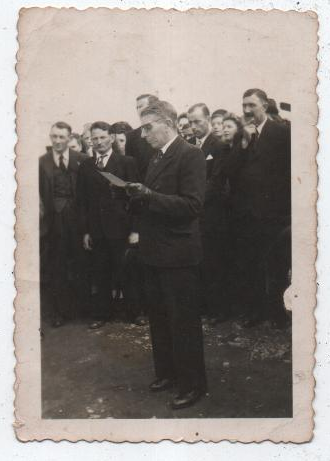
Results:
63 262
175 325
252 241
107 265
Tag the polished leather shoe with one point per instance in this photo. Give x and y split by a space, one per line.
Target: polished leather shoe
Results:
186 400
97 324
161 385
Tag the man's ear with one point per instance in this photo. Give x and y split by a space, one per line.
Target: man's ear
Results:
113 138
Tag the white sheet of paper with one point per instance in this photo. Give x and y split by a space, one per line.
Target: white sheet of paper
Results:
114 180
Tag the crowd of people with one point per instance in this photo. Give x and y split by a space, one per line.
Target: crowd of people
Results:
200 225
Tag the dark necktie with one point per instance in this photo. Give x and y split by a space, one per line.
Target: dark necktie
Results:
254 141
159 156
100 162
61 163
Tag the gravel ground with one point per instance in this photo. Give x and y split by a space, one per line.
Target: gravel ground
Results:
105 373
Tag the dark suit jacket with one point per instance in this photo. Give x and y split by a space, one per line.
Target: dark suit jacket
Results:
260 176
46 183
215 207
103 209
169 228
140 150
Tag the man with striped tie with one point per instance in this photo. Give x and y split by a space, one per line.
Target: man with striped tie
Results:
106 224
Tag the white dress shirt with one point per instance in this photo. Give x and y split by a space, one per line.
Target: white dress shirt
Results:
105 157
56 157
260 127
200 141
164 148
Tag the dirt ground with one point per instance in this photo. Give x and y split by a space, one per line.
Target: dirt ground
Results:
105 373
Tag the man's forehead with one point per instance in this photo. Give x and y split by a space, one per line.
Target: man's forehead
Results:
251 99
196 113
99 131
149 118
142 102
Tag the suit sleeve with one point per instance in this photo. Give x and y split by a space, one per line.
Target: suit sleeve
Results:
82 200
132 174
189 201
45 198
216 185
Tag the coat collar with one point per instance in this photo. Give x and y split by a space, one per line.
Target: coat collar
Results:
49 164
155 169
262 141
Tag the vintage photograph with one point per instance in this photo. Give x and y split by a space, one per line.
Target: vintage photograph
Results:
166 217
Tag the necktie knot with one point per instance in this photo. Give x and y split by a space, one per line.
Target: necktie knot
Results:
159 156
61 162
100 161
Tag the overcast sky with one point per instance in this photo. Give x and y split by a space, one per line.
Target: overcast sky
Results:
90 65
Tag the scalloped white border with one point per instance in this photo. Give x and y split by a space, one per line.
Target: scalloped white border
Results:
6 172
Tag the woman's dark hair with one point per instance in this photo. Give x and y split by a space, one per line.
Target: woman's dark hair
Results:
121 127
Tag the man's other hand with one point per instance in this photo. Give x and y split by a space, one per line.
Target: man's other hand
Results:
87 242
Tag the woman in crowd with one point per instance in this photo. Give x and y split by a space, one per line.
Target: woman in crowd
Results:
217 122
232 129
121 129
87 145
75 142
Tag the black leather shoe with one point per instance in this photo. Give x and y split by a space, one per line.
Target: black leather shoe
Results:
186 400
97 324
161 385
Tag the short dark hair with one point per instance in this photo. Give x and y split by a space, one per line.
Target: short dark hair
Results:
200 105
151 98
63 126
121 127
102 126
163 109
219 113
272 108
183 115
261 94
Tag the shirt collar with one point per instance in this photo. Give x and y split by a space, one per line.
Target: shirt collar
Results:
202 140
56 157
105 155
260 127
164 148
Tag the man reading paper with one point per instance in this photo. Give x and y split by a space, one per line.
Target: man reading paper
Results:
170 203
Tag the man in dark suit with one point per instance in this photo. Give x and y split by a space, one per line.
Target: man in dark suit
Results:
59 246
136 146
214 219
171 201
106 224
260 178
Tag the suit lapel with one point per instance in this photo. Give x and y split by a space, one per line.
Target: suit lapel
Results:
206 147
262 140
112 165
155 169
49 167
